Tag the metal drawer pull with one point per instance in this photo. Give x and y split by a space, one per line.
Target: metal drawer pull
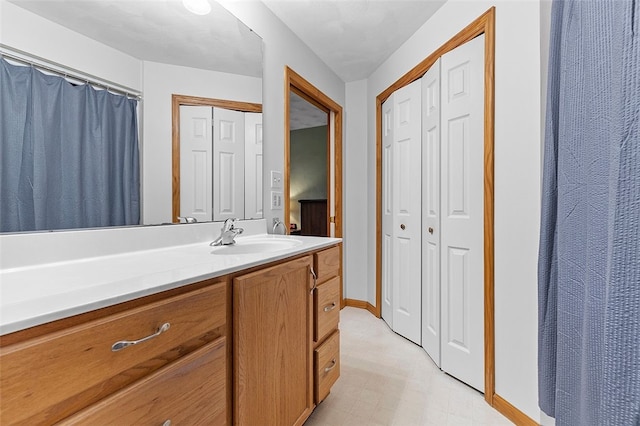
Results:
330 307
126 343
167 423
315 280
333 365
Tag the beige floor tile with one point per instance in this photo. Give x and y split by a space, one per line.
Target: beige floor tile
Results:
386 380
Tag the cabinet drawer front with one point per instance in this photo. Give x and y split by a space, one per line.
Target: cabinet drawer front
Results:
59 373
327 366
327 308
327 263
191 390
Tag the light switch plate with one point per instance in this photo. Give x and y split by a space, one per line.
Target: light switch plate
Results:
276 179
276 200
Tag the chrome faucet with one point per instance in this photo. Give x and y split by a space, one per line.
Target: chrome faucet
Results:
228 233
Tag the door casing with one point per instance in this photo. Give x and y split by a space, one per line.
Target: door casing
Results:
485 24
295 82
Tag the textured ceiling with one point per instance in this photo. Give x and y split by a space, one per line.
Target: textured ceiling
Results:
353 37
303 114
160 31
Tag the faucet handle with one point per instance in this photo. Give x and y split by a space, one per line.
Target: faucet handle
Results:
229 224
188 219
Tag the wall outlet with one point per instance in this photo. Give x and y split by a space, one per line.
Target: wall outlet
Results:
276 200
276 179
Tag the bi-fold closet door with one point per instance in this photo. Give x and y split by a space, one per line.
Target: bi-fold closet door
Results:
449 259
401 211
220 163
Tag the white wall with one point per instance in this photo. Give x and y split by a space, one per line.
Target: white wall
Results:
517 176
356 274
282 48
28 32
160 82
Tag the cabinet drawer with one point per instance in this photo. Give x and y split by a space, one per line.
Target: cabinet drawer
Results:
191 390
327 308
327 366
327 263
52 376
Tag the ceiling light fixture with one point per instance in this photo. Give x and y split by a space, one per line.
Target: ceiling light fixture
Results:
199 7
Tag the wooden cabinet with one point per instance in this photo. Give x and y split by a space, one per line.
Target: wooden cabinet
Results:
327 264
260 347
313 218
50 376
273 366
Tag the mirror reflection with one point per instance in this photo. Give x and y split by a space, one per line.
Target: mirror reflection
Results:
154 50
217 159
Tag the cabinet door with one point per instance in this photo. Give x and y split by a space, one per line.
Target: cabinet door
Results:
272 345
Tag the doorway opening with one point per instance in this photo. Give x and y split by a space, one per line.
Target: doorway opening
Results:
309 145
296 84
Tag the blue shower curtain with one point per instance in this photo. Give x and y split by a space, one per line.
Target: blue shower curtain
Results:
68 154
589 259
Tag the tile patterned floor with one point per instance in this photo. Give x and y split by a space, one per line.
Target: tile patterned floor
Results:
387 380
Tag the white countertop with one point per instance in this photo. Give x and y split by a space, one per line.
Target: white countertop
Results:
36 294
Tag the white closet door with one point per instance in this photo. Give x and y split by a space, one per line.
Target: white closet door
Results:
462 215
431 212
228 164
387 211
406 205
253 165
195 162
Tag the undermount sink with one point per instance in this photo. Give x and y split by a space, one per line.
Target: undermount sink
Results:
252 245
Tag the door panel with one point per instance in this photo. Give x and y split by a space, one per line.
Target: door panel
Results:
457 190
431 212
253 165
387 211
228 164
406 206
462 221
195 162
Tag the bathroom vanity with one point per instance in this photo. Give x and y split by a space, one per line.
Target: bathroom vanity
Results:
173 334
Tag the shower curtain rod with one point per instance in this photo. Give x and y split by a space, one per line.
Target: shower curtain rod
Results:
61 70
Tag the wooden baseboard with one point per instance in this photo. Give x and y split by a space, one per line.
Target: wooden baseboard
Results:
361 304
512 413
355 303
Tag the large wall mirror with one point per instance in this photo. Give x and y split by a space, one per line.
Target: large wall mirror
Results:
200 60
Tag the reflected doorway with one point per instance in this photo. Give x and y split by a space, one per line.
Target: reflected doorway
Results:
308 167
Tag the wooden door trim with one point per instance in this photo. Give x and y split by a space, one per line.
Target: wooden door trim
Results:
176 102
296 83
485 24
